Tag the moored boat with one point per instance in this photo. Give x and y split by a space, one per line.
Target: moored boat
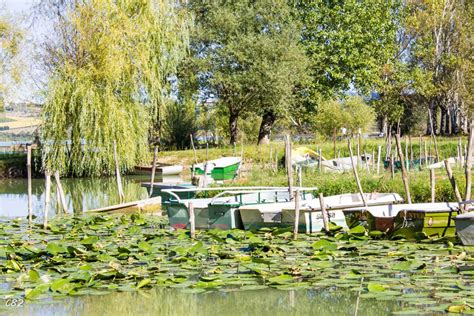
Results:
310 217
161 169
406 220
224 168
222 211
465 228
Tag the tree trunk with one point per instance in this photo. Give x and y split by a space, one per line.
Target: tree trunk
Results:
268 119
442 129
233 118
434 111
454 122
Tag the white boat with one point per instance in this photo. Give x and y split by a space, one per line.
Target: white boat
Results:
344 163
311 219
222 211
160 169
465 228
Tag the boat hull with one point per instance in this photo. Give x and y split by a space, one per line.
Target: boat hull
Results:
465 228
221 173
410 221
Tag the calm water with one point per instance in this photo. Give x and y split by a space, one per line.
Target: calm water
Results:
175 302
81 194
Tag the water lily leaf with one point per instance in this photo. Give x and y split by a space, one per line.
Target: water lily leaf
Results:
146 247
55 248
34 275
90 240
281 279
143 283
34 293
375 287
357 231
62 286
325 245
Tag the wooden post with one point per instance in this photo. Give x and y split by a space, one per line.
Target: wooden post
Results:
192 222
459 154
153 170
297 214
117 174
30 190
324 212
426 154
433 136
373 160
404 172
356 175
271 158
359 159
289 166
300 175
47 198
468 165
420 151
406 156
449 171
234 150
412 158
61 195
194 148
379 153
320 160
433 185
392 166
366 162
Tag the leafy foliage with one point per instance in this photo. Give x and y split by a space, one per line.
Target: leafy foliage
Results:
108 83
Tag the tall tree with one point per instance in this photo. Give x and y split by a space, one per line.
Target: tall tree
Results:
247 56
10 37
109 69
348 42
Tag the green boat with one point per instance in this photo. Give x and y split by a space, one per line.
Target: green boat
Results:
409 221
224 168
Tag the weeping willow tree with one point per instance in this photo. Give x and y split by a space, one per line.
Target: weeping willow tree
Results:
109 78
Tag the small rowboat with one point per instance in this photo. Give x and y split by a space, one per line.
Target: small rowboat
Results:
224 168
160 169
310 217
147 205
406 220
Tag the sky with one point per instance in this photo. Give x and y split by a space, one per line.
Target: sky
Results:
19 12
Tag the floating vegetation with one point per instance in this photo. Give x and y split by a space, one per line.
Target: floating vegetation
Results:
96 255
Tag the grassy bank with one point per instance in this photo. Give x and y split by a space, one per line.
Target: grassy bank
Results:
257 170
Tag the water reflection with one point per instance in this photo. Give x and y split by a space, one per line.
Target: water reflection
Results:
81 194
174 302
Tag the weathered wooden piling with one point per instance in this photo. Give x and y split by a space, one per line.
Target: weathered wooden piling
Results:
117 174
61 195
404 172
379 156
289 165
433 185
192 221
356 175
30 190
468 165
47 198
297 214
194 148
324 212
153 170
449 171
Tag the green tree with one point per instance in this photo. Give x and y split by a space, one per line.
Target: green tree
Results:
347 42
360 115
108 82
178 123
247 56
330 119
10 38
